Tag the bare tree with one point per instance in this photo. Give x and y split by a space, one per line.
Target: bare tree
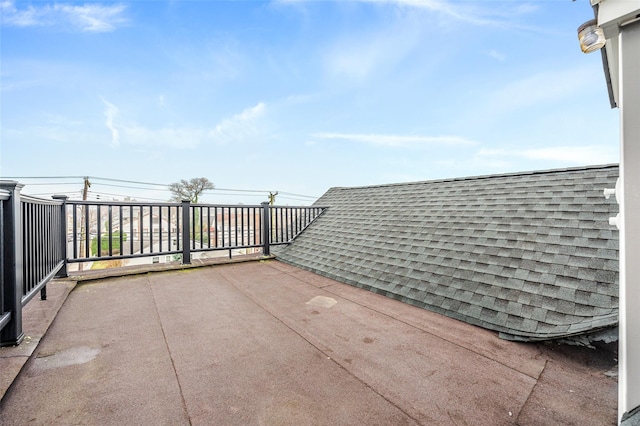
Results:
189 190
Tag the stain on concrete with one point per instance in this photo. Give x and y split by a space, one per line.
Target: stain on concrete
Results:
64 358
322 302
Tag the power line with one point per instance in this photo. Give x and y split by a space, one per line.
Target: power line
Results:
97 194
44 177
256 192
236 190
42 194
128 181
53 183
131 187
298 195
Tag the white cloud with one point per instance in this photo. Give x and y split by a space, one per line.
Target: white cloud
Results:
578 155
239 127
131 133
180 137
359 55
538 89
87 17
356 60
470 12
395 141
110 114
497 55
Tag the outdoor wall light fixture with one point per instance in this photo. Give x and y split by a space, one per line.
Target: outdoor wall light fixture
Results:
591 36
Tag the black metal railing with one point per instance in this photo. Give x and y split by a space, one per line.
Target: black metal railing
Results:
101 230
43 245
31 253
41 238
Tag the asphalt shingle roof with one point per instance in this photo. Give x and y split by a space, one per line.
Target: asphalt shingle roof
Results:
530 255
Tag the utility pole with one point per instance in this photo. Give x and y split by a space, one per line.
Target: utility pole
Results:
85 191
272 231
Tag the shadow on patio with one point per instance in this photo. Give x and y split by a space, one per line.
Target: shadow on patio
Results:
267 343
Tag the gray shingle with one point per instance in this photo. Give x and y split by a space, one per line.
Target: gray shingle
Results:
530 255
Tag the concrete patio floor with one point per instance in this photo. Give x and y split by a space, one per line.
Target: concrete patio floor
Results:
265 343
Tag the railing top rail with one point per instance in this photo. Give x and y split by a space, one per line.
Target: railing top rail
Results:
36 200
123 203
301 207
255 206
174 204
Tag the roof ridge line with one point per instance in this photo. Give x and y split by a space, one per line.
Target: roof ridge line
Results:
490 176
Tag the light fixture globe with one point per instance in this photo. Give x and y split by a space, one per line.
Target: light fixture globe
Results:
591 36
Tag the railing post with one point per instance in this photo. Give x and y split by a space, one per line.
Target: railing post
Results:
12 277
266 228
186 229
62 273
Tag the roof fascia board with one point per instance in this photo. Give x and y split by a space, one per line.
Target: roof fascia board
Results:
613 14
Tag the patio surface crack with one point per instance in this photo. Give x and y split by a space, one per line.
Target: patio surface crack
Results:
533 389
164 337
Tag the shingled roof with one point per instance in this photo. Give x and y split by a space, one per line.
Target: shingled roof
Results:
530 255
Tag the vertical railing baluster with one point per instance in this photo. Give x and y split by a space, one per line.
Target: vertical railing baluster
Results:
223 227
192 211
281 224
110 227
242 226
74 239
186 253
151 229
208 227
98 231
266 228
229 226
178 227
160 229
252 226
255 226
169 240
46 248
131 232
87 212
121 230
235 226
215 229
200 223
141 227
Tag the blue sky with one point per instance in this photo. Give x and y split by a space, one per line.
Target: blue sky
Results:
295 96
